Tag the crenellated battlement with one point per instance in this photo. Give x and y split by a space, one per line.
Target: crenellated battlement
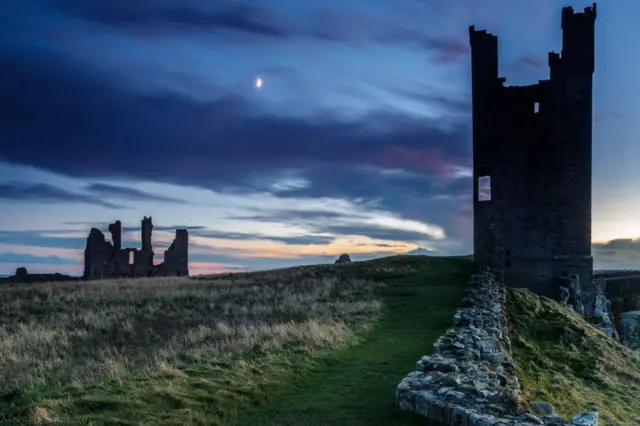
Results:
569 15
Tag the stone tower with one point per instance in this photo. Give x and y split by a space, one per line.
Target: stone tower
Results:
532 161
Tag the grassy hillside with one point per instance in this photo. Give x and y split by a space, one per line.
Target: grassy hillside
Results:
563 360
310 345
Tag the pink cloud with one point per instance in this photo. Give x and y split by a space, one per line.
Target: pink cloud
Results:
202 268
451 50
424 160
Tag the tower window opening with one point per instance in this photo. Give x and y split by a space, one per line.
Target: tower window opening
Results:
484 188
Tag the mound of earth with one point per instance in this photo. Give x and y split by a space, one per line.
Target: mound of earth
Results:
564 360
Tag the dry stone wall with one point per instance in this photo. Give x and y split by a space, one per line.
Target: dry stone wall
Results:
469 380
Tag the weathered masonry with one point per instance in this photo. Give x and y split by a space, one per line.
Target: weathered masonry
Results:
532 162
103 259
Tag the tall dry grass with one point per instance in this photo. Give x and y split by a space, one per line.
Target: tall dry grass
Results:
79 333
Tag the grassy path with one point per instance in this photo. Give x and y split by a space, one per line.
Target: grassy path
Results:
356 386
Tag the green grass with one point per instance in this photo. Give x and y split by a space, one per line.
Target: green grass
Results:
228 350
563 360
356 386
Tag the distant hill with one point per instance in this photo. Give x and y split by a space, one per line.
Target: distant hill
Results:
36 278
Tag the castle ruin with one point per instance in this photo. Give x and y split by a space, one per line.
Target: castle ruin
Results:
103 259
532 162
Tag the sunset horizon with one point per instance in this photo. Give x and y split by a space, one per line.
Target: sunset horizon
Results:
311 141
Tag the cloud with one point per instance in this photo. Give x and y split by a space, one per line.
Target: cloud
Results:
121 192
222 143
28 250
314 239
42 239
172 16
619 253
453 105
29 259
338 178
348 24
41 192
358 25
532 61
628 244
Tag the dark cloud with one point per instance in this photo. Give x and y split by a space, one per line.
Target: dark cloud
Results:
38 239
449 50
360 27
278 70
212 144
171 16
343 25
163 228
121 192
42 192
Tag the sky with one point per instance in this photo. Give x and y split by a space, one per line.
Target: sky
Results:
357 140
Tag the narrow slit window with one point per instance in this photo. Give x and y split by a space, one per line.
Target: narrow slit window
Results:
536 107
484 188
131 258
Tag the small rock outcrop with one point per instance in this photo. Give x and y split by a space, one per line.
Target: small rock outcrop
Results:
469 379
344 258
21 272
630 329
590 302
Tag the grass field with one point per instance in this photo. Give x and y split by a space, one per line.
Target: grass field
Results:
562 359
310 345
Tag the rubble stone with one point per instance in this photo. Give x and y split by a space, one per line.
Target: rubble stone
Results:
469 379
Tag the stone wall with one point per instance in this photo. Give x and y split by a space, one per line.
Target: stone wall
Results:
469 380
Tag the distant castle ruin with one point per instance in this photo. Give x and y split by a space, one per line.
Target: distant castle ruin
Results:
532 162
103 259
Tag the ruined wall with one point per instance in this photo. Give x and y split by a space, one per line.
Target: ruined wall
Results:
106 260
176 257
535 144
623 286
146 254
469 379
98 253
116 234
